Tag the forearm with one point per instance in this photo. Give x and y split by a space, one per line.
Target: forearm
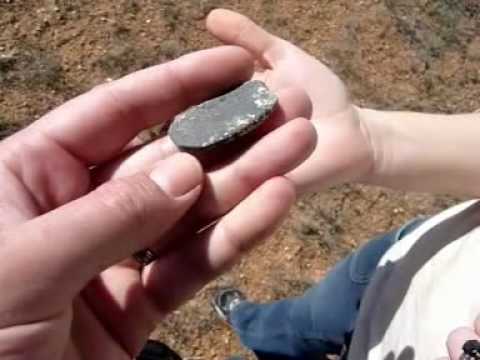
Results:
424 152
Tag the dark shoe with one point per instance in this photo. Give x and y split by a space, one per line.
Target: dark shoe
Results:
154 350
225 301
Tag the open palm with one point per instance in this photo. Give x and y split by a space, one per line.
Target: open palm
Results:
343 150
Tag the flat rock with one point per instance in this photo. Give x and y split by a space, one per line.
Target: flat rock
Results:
223 119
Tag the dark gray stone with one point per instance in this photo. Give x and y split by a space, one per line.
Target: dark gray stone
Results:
224 118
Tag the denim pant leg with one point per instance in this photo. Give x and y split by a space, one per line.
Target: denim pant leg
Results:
318 322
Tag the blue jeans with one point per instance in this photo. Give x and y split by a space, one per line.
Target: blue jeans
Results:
321 321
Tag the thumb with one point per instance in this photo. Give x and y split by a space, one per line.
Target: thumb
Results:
235 29
61 251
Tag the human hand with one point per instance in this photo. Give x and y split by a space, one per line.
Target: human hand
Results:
78 201
343 152
457 339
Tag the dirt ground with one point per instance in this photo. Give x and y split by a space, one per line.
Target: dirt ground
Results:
393 54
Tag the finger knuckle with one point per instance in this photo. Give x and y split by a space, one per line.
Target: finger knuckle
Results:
230 236
130 199
246 176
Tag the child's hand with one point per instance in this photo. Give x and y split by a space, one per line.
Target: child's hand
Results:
343 152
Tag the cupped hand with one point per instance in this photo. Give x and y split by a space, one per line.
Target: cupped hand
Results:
343 152
78 201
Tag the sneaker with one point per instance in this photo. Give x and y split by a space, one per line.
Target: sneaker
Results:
155 350
225 301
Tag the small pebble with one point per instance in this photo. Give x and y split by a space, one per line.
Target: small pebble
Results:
224 118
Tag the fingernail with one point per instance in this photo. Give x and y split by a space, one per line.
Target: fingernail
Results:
178 175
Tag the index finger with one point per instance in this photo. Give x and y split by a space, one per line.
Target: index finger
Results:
96 126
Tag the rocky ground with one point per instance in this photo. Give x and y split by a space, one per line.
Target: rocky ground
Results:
394 54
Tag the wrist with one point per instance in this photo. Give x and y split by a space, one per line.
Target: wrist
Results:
378 132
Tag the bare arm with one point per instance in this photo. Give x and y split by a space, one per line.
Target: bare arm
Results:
424 152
